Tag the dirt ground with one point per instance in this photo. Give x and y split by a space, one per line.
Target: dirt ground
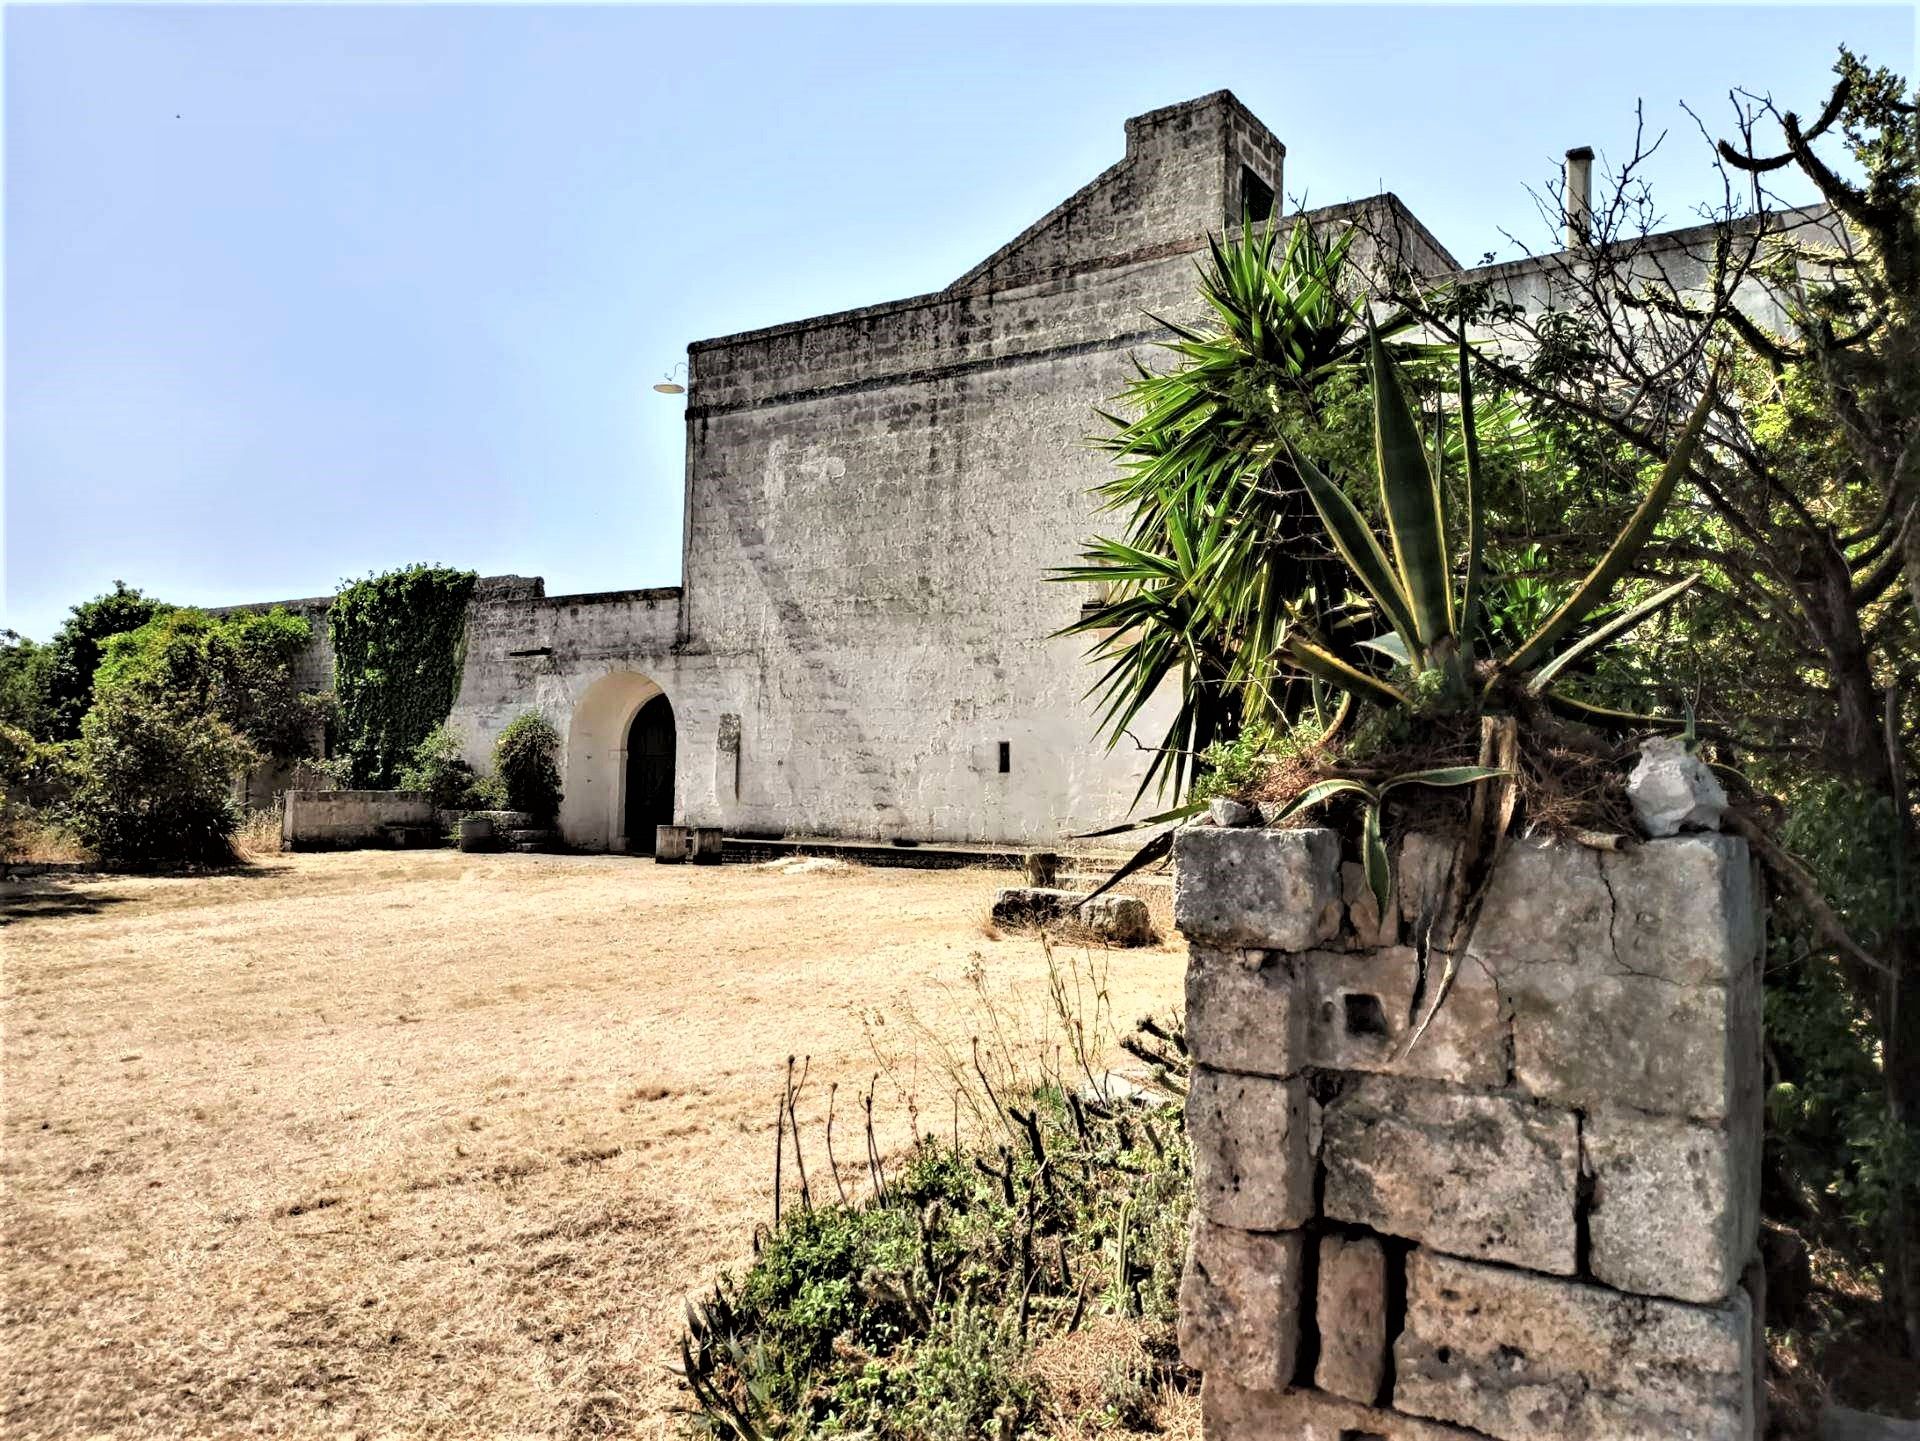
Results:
426 1143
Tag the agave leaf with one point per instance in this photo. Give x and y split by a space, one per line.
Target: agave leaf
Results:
1320 791
1446 776
1324 665
1599 583
1600 715
1476 508
1391 646
1602 635
1354 539
1373 852
1411 493
1178 813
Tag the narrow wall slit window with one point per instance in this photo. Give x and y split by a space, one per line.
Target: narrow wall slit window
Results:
1006 757
1256 196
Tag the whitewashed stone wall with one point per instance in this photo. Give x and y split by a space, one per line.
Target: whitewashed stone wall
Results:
1537 1226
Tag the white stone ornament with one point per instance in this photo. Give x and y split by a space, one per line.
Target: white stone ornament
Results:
1673 790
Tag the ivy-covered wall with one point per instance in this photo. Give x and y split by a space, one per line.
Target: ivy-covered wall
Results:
399 641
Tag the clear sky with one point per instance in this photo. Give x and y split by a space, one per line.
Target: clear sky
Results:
293 294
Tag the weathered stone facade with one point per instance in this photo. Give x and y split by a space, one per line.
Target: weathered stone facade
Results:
864 640
1532 1226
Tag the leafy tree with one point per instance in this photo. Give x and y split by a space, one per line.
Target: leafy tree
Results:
181 706
76 650
25 678
526 761
238 668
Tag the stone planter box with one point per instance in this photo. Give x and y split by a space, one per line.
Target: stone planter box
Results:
476 833
1533 1226
707 846
672 844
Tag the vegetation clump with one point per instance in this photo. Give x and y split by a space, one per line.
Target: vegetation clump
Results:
918 1311
438 768
526 761
399 643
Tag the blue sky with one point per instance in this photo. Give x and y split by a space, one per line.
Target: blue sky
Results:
297 293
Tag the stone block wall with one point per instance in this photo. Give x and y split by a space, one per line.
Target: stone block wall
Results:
1533 1226
337 819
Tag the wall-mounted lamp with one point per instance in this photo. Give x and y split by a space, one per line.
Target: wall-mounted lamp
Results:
667 385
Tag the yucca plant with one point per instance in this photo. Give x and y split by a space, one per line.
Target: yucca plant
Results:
1216 549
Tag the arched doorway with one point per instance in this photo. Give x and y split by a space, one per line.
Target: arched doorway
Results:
649 798
599 813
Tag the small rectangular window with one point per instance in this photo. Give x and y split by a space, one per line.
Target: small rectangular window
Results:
1256 196
1006 756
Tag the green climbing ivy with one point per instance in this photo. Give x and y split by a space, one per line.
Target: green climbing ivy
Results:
399 640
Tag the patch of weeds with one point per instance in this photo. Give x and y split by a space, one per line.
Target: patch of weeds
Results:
915 1313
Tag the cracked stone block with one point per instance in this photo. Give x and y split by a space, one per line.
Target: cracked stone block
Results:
1359 1008
1631 977
1252 1165
1350 1309
1277 890
1243 1012
1490 1177
1363 908
1230 1412
1529 1358
1240 1304
1676 1204
1686 910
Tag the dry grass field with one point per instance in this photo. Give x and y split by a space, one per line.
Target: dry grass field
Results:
424 1143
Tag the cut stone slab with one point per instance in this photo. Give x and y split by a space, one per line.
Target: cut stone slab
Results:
1244 1013
1631 978
1359 1009
1033 905
1420 879
1230 1412
1673 790
1350 1311
1240 1304
1277 890
1675 1207
1252 1165
1588 1040
1484 1176
1530 1358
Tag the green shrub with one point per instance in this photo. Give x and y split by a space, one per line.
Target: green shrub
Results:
526 759
439 769
156 779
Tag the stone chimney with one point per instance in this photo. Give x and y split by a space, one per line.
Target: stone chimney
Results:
1579 197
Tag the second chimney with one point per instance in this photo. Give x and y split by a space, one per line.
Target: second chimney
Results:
1579 197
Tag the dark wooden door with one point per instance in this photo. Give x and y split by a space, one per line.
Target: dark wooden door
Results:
649 774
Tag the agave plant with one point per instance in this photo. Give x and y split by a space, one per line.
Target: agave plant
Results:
1433 634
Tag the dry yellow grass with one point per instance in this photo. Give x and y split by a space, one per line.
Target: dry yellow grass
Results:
425 1143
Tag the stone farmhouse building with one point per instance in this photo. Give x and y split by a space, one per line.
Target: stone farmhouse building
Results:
862 644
